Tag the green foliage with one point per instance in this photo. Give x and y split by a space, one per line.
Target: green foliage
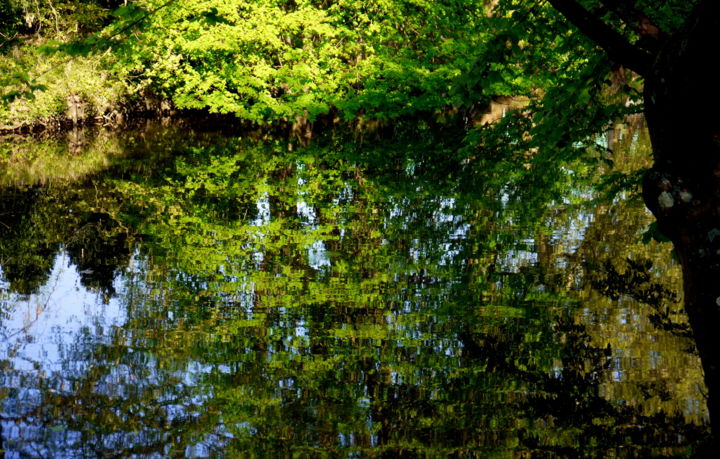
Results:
669 15
346 298
30 162
9 22
56 18
56 86
40 87
266 60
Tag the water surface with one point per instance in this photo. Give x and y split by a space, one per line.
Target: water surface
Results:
168 291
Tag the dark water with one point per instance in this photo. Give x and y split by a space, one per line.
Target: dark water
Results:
173 293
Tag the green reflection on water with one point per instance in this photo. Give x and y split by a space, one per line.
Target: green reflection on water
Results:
391 297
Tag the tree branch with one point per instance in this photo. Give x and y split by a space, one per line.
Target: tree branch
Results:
617 47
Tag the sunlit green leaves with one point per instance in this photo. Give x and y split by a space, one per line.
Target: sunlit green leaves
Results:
265 61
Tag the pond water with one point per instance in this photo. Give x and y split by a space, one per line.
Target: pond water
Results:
175 291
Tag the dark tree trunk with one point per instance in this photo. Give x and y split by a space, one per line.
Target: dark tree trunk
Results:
682 107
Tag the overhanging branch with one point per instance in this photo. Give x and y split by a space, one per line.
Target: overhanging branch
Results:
617 47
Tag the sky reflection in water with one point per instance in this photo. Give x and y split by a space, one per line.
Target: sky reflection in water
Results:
226 297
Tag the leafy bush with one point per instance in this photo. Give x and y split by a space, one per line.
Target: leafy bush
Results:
268 60
73 87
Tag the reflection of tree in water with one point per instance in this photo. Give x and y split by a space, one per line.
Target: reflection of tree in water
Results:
371 313
359 315
636 281
99 249
105 404
38 221
562 411
573 398
48 199
27 272
26 254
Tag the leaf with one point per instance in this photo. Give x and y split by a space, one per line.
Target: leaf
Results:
128 11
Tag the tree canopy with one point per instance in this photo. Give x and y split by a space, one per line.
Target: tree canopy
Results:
572 66
270 61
